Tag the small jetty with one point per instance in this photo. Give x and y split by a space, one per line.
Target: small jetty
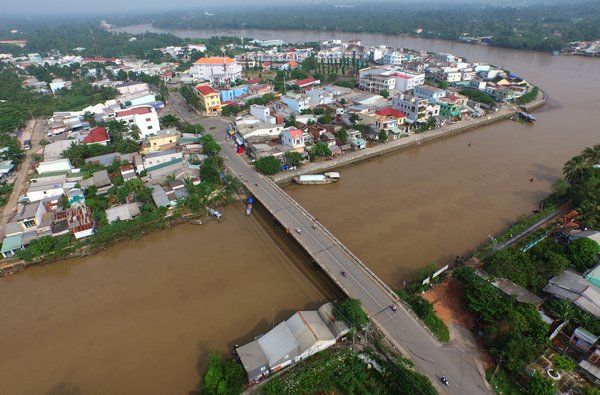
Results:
316 179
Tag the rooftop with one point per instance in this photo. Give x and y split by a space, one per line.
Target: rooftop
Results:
97 135
206 90
216 60
134 111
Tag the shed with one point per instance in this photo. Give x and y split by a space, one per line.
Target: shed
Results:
11 244
254 360
280 346
123 212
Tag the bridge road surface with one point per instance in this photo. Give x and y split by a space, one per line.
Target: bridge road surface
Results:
406 333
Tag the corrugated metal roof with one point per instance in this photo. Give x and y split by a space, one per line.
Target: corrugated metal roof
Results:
279 345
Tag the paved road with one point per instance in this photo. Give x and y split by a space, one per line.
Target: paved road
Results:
430 357
36 126
401 327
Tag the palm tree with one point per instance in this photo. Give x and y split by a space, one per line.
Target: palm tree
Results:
116 129
592 155
134 132
575 169
563 309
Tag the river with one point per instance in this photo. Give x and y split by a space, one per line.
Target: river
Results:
139 316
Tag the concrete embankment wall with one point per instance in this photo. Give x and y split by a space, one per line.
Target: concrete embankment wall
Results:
404 142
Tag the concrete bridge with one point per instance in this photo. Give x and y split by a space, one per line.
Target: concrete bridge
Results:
401 327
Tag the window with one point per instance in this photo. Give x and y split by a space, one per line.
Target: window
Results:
148 119
149 127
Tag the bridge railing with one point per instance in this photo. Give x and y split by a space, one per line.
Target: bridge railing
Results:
336 241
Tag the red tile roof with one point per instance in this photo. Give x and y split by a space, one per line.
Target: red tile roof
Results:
254 81
390 112
97 135
306 81
205 90
296 133
134 111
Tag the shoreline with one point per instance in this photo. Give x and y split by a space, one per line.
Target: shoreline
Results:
405 142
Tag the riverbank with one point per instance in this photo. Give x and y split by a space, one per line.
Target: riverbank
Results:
406 142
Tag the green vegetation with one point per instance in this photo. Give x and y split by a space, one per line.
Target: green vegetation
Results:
268 165
78 153
534 26
501 383
529 96
191 98
563 363
540 385
293 158
210 146
478 96
514 332
342 371
351 312
583 252
584 180
5 191
424 310
222 376
319 150
48 247
531 269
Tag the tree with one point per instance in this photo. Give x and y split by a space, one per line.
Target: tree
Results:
576 169
583 252
351 312
592 155
564 363
319 150
134 132
209 146
342 134
540 385
354 117
443 85
195 128
385 93
169 121
293 158
222 377
268 165
342 101
116 130
290 121
383 136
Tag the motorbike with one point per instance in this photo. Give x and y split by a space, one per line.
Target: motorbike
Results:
343 273
393 307
445 381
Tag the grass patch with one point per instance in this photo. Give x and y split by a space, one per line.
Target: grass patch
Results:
424 310
502 384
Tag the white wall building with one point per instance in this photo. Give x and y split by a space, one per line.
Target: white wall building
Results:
407 81
144 117
392 57
217 70
52 166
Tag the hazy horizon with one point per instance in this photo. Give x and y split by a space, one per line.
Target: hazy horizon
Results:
36 8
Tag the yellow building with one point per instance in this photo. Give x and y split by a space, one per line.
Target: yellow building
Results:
210 99
162 141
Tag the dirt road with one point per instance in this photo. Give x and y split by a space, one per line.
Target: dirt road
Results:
36 126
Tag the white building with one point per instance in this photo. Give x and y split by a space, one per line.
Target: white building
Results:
392 57
57 165
377 79
160 157
453 76
417 109
298 102
217 70
407 81
144 117
293 137
136 87
43 189
263 114
320 96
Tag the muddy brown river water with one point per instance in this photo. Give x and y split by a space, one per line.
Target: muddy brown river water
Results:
139 317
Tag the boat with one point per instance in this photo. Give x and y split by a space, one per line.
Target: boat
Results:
527 117
249 205
196 222
214 213
316 179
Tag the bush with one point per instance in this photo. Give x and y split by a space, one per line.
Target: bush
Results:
268 165
564 363
222 376
424 310
351 312
582 253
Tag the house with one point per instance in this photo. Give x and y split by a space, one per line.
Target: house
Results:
428 92
307 83
302 335
392 57
591 366
406 81
127 172
123 212
263 114
144 117
158 158
320 97
11 244
45 188
97 135
164 139
448 109
76 197
572 286
53 166
217 70
297 102
78 221
378 79
291 65
388 118
57 84
54 150
160 197
583 339
209 98
417 109
6 169
293 138
230 94
356 141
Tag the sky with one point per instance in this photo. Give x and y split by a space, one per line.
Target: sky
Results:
107 7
